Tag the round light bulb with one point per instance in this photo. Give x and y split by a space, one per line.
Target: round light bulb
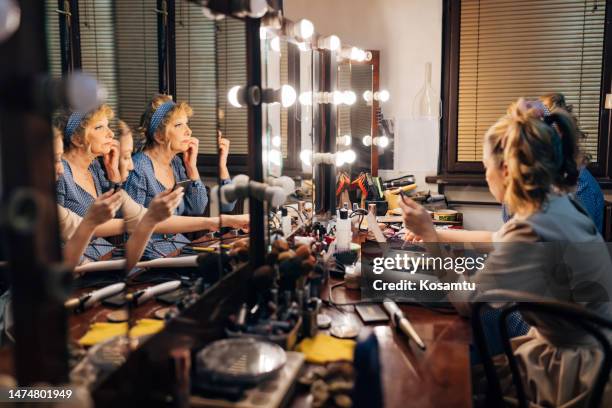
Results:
368 96
337 97
349 156
383 96
345 140
340 159
334 43
357 54
10 18
275 44
349 97
275 157
305 29
382 141
288 96
257 8
305 98
306 157
232 96
276 141
367 140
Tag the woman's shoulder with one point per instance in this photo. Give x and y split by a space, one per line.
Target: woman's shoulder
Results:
142 162
516 230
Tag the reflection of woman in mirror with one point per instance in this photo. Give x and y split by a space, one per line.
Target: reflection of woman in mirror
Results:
83 146
158 167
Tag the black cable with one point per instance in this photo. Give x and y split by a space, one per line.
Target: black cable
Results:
297 212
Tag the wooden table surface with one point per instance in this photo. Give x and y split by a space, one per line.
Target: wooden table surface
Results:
436 377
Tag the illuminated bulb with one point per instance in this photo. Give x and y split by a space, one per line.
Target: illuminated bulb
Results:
276 141
345 140
275 157
303 46
306 98
340 160
368 96
349 156
275 44
349 97
383 96
306 157
257 8
337 98
232 96
288 96
367 140
334 43
305 29
382 141
358 54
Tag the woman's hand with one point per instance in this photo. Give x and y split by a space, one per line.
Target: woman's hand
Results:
412 237
163 205
417 220
190 159
103 208
111 162
240 221
224 145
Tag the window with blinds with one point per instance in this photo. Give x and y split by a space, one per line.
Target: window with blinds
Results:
343 83
137 61
54 51
231 71
524 48
284 112
98 51
196 70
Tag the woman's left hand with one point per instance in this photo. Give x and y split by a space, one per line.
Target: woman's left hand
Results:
111 162
418 220
190 158
224 145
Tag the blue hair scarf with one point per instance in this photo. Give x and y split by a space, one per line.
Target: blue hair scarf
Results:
74 121
159 115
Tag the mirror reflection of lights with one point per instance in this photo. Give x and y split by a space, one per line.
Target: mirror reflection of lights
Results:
381 141
349 97
288 96
232 96
382 96
340 159
276 141
345 140
305 98
368 96
275 157
367 140
305 29
349 156
306 157
337 97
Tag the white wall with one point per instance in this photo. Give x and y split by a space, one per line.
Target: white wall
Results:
408 34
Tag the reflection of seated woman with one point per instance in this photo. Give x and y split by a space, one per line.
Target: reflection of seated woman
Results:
523 158
158 167
87 136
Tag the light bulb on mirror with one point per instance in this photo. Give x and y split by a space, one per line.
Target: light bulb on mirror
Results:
382 96
357 54
331 43
337 98
275 157
349 156
233 96
304 29
306 157
368 96
349 97
367 140
345 140
305 98
288 96
381 141
276 141
340 159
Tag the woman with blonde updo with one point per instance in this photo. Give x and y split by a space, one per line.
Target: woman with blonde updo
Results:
527 158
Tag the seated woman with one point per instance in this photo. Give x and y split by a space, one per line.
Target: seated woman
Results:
86 137
523 158
158 167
